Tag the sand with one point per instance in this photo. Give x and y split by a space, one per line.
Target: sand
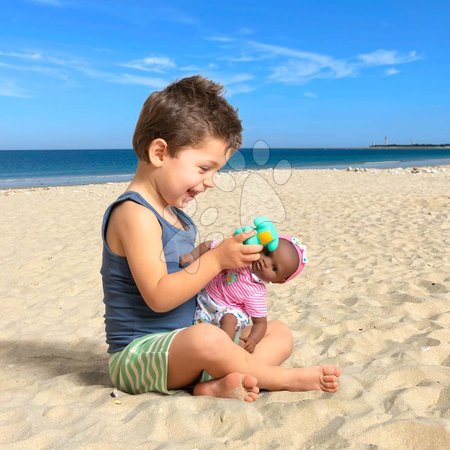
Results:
374 299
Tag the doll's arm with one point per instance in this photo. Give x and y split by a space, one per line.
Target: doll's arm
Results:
189 258
258 331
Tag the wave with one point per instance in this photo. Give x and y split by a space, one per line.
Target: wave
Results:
68 180
381 163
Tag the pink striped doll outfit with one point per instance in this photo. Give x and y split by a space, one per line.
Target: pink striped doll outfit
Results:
238 292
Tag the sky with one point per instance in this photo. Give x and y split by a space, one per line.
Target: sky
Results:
75 73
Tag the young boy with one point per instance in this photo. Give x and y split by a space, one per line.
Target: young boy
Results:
184 134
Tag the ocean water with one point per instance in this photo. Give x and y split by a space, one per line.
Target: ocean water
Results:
34 168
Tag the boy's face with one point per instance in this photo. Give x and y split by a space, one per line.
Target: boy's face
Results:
191 171
276 266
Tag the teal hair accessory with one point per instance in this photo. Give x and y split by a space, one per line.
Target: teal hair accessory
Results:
266 233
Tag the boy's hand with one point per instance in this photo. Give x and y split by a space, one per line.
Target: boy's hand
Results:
249 343
232 253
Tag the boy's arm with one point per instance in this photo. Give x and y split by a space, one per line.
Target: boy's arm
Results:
189 258
140 236
258 331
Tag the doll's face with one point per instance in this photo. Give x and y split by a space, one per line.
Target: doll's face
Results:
277 266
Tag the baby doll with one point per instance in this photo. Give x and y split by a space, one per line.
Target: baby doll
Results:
234 296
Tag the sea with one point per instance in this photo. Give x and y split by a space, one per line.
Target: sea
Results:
43 168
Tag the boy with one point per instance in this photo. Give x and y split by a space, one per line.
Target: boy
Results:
184 134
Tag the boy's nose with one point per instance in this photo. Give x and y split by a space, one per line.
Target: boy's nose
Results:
209 183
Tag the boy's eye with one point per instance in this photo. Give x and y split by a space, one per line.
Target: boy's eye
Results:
274 268
266 252
204 169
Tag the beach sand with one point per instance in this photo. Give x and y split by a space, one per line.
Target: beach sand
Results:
374 299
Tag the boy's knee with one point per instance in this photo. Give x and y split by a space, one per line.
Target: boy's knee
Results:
209 339
282 331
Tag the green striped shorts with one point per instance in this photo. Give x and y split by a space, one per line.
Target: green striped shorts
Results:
142 365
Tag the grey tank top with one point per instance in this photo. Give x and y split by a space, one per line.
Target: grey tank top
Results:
127 316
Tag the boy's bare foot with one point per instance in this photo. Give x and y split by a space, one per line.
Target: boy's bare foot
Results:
318 378
233 385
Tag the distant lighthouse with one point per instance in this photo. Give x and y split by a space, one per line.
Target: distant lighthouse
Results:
385 140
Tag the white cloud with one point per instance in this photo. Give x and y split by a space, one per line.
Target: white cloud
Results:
64 69
296 71
234 67
383 57
151 64
33 56
191 68
245 30
156 83
301 66
239 89
234 78
239 59
44 70
391 71
220 39
292 66
276 50
208 68
234 83
38 56
9 88
301 71
51 66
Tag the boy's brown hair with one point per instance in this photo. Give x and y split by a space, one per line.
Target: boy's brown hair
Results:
185 113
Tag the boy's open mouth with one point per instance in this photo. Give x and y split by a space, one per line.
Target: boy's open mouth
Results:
192 192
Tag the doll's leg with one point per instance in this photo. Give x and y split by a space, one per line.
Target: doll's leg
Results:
228 324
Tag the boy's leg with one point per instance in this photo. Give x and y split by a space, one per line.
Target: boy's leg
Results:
206 347
194 353
228 324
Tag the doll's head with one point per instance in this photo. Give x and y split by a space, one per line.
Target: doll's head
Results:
283 264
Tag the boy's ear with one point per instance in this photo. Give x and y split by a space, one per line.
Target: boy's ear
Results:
157 151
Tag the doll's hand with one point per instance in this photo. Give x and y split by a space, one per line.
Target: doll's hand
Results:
232 253
186 259
249 343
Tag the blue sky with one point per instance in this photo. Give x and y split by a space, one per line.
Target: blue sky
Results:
74 73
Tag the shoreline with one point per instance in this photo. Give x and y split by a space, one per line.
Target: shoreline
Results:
410 147
115 179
